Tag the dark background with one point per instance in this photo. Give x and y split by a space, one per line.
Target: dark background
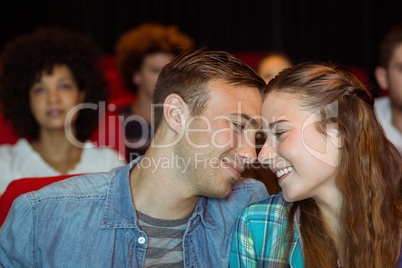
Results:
344 31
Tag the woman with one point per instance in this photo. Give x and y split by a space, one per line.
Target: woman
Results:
44 75
340 204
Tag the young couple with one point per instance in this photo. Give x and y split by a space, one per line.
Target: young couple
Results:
340 179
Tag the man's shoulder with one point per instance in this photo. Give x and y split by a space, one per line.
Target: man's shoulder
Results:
81 187
21 148
249 184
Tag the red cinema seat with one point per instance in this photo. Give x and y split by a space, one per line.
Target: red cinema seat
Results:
22 186
7 133
108 66
251 58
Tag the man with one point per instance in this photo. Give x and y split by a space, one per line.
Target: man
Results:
141 54
388 74
177 205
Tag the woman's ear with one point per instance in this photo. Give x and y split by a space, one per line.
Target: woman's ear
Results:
174 109
380 74
334 137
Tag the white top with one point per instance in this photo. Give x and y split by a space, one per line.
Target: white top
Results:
382 108
21 161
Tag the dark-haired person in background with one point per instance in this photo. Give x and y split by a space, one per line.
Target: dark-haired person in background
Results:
388 74
141 53
44 75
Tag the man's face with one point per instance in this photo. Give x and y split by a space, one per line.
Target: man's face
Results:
221 140
394 77
146 77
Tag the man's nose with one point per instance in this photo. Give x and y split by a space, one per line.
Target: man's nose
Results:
247 151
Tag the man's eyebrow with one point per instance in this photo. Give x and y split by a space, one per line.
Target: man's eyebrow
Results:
254 123
273 124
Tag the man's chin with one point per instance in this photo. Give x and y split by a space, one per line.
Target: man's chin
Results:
220 194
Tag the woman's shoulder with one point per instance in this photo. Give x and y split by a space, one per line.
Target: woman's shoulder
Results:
21 147
273 205
265 217
100 158
273 201
104 152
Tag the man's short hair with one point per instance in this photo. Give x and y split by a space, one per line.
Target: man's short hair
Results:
190 73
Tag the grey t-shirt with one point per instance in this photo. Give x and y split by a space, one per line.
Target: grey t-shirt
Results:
165 241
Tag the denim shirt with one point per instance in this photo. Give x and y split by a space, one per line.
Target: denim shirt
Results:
90 221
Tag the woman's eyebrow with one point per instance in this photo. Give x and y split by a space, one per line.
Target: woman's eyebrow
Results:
273 124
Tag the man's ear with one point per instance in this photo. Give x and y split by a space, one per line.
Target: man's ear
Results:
380 74
174 109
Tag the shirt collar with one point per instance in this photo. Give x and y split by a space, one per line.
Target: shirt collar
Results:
205 214
120 211
119 208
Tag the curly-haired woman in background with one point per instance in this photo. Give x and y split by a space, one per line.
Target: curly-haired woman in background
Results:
340 204
44 75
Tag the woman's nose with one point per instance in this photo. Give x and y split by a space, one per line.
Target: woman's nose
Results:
267 154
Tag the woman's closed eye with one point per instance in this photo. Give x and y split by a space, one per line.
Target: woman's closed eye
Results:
278 134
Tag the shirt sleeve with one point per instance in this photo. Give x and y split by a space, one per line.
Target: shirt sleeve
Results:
243 248
16 236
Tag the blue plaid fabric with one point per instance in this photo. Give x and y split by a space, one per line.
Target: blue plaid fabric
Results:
258 239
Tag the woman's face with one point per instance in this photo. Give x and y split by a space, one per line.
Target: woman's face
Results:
53 96
145 78
304 160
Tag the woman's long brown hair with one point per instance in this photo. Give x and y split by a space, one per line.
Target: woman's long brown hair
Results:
368 175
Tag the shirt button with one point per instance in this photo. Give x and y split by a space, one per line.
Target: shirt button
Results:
141 240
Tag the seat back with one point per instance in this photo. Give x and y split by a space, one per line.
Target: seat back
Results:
22 186
7 133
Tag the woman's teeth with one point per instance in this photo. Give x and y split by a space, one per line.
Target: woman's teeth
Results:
284 171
